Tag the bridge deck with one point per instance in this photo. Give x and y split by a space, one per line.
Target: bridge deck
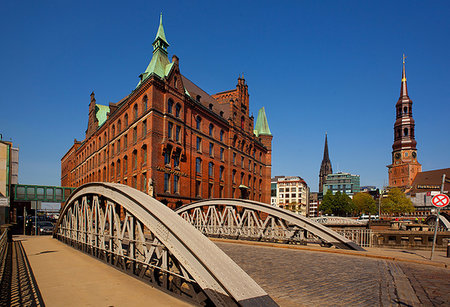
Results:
67 277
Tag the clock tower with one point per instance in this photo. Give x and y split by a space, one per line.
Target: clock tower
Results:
404 167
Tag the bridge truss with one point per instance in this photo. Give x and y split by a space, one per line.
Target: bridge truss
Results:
251 220
139 235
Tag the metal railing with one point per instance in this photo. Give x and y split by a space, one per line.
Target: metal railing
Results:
362 237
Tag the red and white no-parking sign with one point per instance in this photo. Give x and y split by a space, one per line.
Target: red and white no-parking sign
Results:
440 200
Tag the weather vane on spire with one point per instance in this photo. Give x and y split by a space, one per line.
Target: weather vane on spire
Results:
404 57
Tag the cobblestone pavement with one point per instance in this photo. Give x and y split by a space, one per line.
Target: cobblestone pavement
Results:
305 278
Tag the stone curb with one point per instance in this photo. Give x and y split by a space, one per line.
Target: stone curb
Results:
333 251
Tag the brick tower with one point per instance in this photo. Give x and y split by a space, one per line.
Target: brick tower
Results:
404 167
325 167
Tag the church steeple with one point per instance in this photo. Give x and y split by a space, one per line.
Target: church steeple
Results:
325 167
404 165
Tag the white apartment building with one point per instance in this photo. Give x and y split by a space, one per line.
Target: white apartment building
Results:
292 194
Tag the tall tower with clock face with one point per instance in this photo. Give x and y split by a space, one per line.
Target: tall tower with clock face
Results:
404 167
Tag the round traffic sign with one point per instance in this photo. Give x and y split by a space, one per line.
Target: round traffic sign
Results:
440 200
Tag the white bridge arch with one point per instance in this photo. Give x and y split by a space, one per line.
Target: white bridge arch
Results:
139 235
239 218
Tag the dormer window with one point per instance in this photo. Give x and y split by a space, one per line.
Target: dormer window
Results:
198 98
211 106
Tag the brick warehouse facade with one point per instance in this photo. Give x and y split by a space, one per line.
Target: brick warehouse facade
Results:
173 141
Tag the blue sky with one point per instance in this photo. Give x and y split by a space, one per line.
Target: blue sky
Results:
316 66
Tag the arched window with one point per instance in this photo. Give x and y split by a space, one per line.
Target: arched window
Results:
113 131
177 110
126 120
199 121
221 135
211 106
221 113
135 111
405 110
242 122
211 169
167 153
112 170
211 129
198 166
405 131
170 106
144 103
118 168
198 98
119 126
221 170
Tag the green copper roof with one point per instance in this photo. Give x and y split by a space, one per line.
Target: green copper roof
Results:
159 64
100 113
262 126
160 34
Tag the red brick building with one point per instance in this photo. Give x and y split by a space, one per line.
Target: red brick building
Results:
173 141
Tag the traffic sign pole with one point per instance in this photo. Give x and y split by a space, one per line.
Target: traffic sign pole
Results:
437 217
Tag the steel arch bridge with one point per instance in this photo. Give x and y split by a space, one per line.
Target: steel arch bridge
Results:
246 219
139 235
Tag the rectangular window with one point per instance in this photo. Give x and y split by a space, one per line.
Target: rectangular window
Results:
135 182
234 177
242 162
125 141
144 155
112 150
118 146
198 192
125 165
143 182
169 130
221 153
234 158
211 170
144 128
198 166
199 144
177 133
166 158
221 191
176 161
176 179
211 149
167 183
134 135
210 190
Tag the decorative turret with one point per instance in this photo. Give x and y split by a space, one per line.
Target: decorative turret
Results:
160 64
262 126
404 165
325 167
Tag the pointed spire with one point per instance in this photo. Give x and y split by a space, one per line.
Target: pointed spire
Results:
160 34
404 89
159 64
325 149
262 125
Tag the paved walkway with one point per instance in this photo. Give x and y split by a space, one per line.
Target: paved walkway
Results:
306 277
68 277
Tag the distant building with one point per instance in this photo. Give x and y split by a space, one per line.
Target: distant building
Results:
313 205
9 171
425 186
404 165
273 192
325 167
292 194
342 182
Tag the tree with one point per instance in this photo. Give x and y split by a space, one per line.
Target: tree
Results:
338 204
396 203
364 203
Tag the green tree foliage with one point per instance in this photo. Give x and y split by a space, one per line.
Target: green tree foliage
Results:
338 204
396 203
364 203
